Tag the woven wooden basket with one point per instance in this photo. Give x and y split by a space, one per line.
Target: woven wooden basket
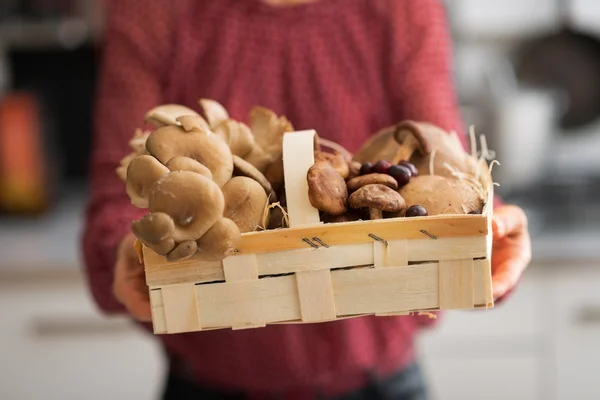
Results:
315 272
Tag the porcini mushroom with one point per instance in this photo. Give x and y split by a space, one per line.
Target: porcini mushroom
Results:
188 164
377 198
336 161
143 171
193 201
208 149
155 230
245 202
440 195
372 179
220 241
242 167
167 114
327 190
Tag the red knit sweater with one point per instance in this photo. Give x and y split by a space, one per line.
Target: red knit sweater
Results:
343 67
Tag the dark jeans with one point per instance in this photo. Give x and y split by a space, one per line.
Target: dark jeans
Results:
404 385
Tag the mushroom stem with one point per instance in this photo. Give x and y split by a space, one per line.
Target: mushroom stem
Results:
374 213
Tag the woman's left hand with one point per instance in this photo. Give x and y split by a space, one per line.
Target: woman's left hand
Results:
511 250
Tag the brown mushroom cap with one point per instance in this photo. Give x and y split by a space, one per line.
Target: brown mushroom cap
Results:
377 198
143 171
220 241
193 201
155 230
440 195
182 251
372 179
353 169
209 149
245 202
274 174
237 135
336 160
167 114
188 164
242 167
327 190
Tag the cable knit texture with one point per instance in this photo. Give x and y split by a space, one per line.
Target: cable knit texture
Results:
346 68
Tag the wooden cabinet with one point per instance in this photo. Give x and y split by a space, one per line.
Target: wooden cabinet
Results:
55 345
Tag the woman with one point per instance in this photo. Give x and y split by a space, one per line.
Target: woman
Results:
343 67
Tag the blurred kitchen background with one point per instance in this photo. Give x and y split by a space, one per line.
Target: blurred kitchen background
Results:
528 73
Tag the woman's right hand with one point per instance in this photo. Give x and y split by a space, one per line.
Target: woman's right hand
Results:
129 285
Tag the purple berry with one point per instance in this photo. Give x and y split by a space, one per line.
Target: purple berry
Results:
366 168
416 211
400 173
410 166
381 167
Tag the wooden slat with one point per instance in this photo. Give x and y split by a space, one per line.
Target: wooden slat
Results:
456 279
314 259
248 302
298 157
159 323
449 226
482 286
160 272
240 268
380 257
385 290
447 248
315 295
181 311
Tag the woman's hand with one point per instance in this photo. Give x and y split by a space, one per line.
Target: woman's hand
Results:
129 285
511 251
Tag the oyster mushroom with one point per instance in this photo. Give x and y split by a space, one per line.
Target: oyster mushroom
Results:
220 241
268 130
155 230
244 168
440 195
327 190
167 114
245 202
188 164
182 251
193 122
208 149
372 179
377 198
193 201
214 112
237 135
143 171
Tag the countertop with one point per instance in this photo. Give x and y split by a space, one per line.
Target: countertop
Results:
53 241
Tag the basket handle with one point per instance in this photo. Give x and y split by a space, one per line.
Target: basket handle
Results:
298 157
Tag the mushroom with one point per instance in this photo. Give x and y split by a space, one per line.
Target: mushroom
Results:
220 241
327 190
138 147
214 112
188 164
353 169
274 174
336 161
245 202
347 217
440 195
208 149
372 179
193 122
155 230
244 168
268 130
182 251
377 198
167 114
237 135
381 146
410 138
193 201
143 171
